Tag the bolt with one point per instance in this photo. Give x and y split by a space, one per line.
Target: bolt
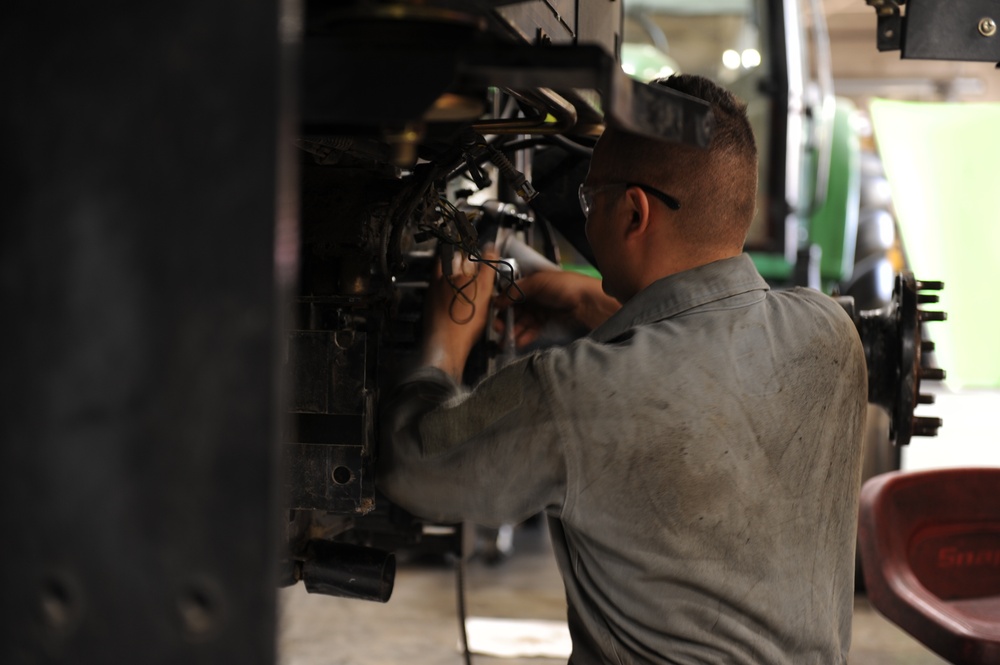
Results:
987 27
932 316
924 426
932 374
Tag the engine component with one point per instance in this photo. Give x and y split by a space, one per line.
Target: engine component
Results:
894 351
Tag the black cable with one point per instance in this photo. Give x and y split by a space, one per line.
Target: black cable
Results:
460 295
507 273
501 144
462 612
523 144
402 208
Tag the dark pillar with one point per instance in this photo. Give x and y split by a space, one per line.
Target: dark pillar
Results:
138 328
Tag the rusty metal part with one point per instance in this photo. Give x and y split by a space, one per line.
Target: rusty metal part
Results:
894 351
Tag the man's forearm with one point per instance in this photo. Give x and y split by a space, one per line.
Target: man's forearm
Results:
455 313
444 356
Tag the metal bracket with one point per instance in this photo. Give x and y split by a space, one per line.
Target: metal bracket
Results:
890 24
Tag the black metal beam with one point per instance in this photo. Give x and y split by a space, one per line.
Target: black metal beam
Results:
407 80
138 437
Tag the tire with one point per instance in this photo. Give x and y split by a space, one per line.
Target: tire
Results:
878 256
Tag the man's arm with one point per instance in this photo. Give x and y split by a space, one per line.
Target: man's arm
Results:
568 298
455 312
494 455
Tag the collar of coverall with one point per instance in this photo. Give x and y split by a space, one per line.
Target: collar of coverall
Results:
684 291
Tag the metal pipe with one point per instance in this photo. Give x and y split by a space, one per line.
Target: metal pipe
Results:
349 571
549 101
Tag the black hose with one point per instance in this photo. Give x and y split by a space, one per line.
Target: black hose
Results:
462 613
505 145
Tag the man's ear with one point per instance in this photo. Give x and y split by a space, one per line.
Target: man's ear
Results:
637 206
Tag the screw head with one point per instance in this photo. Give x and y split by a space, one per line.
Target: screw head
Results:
987 27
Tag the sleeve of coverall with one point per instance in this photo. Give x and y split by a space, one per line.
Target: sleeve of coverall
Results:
491 455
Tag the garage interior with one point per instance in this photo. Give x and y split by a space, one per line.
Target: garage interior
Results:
149 268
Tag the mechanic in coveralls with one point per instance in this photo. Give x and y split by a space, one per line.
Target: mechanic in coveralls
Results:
697 454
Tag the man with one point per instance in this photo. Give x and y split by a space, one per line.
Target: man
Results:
698 454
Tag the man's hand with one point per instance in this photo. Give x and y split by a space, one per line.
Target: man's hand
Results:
455 312
568 298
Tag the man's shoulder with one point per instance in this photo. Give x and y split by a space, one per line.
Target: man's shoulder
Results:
810 302
818 319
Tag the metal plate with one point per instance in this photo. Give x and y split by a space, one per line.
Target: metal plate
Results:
327 477
937 30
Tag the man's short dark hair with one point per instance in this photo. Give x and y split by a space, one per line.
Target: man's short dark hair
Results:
717 187
733 132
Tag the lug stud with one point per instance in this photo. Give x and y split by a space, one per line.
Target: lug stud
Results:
932 374
924 426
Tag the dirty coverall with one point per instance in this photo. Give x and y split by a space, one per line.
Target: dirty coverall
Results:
698 457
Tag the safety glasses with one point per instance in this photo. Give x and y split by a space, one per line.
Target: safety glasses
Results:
587 195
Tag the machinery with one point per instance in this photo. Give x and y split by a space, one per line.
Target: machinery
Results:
497 143
148 283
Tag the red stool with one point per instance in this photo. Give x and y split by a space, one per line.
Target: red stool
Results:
930 550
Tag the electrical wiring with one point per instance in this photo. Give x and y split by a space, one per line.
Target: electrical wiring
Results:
466 243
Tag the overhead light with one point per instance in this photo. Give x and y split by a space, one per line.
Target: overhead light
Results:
730 59
750 58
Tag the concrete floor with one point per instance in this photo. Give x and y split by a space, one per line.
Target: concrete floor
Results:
419 625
